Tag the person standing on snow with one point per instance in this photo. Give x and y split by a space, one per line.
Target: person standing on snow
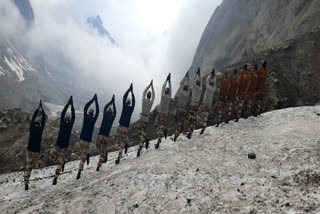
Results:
222 101
183 97
243 86
147 102
251 94
109 114
86 133
60 151
124 123
34 143
262 79
206 106
163 111
195 101
232 94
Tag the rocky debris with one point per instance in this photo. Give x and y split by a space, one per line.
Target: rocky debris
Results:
252 155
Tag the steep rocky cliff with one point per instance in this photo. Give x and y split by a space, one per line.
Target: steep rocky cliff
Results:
243 27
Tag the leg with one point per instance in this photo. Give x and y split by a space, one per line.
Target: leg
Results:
180 117
84 147
27 172
143 127
160 128
230 109
239 109
192 119
60 162
123 135
220 106
205 116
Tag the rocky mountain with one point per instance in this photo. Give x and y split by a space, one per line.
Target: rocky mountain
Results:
97 23
244 27
25 10
209 174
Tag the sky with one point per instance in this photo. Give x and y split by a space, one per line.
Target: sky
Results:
154 37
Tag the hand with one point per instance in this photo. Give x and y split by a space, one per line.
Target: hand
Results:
213 73
95 96
198 72
113 98
40 105
187 74
151 82
169 77
131 87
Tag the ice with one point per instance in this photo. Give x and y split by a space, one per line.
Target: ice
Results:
210 173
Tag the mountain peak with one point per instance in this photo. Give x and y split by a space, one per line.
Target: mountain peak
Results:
97 23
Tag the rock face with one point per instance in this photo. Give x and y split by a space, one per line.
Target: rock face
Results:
25 10
209 174
239 28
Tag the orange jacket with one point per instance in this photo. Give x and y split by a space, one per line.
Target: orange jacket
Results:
243 83
234 84
224 87
253 85
262 79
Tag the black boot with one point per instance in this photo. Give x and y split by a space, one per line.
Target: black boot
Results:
175 138
26 186
62 168
54 181
157 146
106 158
97 169
138 154
88 158
147 143
79 175
202 130
165 133
125 148
237 120
117 161
189 135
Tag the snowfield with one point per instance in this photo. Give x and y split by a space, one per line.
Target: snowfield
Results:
208 174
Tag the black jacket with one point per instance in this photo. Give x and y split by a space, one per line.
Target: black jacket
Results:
88 121
34 144
108 118
65 128
127 110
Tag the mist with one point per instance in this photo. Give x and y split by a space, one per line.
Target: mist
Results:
145 51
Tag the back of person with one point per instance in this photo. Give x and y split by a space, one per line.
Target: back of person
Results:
253 84
64 134
262 78
87 128
34 143
224 87
243 83
234 84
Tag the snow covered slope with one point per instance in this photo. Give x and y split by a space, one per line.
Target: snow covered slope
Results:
13 63
208 174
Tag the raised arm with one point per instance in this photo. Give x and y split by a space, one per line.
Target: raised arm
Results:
125 96
97 108
63 113
153 93
164 88
43 118
73 112
86 107
145 92
114 108
133 99
170 91
34 116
